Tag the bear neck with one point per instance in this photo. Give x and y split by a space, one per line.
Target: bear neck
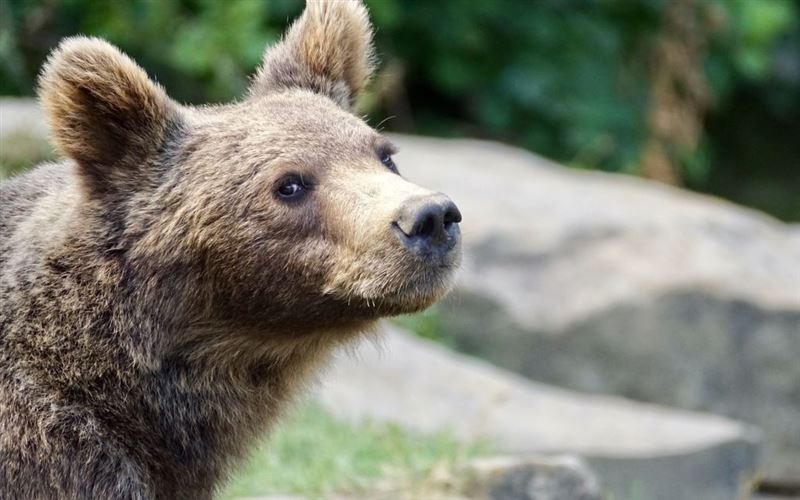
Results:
135 351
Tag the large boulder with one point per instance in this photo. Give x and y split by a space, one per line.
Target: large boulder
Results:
612 284
637 450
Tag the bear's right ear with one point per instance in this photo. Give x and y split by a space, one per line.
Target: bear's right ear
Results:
103 111
327 50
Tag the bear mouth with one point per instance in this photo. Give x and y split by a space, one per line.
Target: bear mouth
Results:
394 281
418 292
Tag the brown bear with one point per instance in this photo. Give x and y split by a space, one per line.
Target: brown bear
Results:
168 288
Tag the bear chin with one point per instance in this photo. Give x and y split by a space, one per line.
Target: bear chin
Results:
415 295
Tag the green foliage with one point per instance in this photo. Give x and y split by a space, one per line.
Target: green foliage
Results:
568 79
202 50
562 78
757 26
314 454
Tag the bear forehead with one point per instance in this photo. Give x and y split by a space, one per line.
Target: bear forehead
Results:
294 117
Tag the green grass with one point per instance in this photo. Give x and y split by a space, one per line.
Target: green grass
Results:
8 169
313 454
427 324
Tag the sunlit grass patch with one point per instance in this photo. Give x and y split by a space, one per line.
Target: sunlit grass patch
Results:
314 454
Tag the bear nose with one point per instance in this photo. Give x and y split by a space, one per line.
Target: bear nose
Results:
429 223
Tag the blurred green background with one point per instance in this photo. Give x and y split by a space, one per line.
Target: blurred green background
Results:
699 93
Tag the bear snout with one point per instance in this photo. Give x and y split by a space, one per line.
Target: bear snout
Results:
428 226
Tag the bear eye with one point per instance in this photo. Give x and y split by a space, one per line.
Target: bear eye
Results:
388 162
291 187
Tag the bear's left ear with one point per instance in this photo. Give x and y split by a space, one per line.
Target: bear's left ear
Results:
104 112
327 50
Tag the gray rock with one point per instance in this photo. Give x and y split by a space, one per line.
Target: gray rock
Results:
612 284
423 386
531 478
23 135
21 115
794 233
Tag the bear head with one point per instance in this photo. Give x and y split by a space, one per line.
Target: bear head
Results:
283 211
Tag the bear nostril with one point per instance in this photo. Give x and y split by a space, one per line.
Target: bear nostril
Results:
451 215
425 225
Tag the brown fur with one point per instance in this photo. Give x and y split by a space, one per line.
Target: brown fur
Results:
159 304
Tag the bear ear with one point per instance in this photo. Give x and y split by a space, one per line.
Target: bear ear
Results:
327 50
103 110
